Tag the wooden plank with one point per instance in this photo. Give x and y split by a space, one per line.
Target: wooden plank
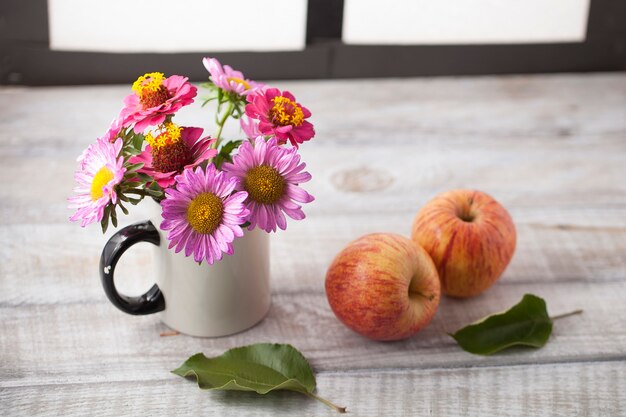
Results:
570 214
79 337
345 179
57 263
570 109
554 244
568 389
550 148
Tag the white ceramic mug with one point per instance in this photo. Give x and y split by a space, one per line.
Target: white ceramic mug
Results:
197 299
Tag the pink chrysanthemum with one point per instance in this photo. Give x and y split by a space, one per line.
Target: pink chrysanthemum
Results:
280 115
100 170
154 98
270 175
229 79
203 215
172 151
111 135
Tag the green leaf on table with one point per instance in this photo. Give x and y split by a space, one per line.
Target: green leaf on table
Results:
261 368
527 323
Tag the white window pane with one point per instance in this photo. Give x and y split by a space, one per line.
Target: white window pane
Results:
464 21
177 26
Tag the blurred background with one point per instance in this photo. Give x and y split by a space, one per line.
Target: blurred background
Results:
66 42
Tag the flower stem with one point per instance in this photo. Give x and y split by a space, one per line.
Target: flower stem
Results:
218 134
338 409
222 121
571 313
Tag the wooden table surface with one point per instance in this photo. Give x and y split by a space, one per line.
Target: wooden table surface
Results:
551 148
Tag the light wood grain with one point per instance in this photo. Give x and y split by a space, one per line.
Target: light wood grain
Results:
550 148
568 389
78 332
588 249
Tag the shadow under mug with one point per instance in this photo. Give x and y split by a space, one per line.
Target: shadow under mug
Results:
196 299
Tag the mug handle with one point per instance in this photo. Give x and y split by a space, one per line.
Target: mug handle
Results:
148 303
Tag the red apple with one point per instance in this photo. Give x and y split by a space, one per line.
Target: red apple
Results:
383 286
471 238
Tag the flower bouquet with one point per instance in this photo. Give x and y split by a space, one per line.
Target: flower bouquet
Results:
209 188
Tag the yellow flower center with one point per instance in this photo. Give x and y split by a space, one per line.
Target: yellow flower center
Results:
102 178
149 82
150 89
286 112
169 152
245 84
264 184
169 136
205 212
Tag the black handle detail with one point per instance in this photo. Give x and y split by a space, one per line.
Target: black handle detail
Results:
148 303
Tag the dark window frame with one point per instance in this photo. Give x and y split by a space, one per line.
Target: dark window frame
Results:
26 58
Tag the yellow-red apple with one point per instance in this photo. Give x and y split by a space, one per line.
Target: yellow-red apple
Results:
383 286
470 237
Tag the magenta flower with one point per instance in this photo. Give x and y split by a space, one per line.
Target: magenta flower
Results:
203 215
229 79
114 130
250 127
280 115
154 98
172 151
99 171
270 175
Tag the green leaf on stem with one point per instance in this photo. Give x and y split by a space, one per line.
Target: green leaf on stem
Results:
144 178
132 151
138 141
113 216
260 368
527 323
224 154
154 190
133 167
104 223
124 209
127 132
128 199
156 194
